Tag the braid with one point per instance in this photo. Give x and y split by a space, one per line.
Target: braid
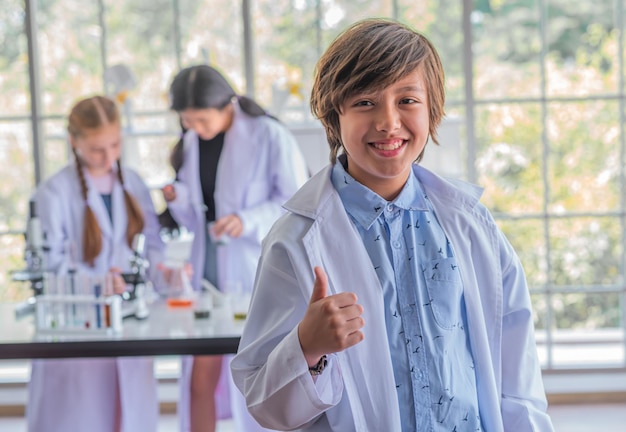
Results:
133 211
92 235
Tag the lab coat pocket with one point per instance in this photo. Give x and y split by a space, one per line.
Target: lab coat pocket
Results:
256 193
445 290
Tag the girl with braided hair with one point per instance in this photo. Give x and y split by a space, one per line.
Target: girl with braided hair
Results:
97 205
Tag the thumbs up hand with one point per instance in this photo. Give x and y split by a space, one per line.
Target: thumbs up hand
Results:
331 323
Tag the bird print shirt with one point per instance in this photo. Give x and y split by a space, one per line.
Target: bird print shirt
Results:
424 306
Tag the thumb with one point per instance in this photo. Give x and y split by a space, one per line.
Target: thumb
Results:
320 287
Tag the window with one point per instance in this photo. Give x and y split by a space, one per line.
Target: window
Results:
535 114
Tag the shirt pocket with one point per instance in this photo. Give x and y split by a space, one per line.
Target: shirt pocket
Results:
445 291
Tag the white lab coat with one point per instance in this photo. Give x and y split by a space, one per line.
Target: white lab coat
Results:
356 392
73 395
260 167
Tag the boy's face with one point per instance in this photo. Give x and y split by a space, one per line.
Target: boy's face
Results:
384 132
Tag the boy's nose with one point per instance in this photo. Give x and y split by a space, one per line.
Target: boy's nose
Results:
388 118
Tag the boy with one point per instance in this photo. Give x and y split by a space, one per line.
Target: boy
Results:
387 299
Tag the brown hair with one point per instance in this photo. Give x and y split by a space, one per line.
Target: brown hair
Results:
90 115
371 55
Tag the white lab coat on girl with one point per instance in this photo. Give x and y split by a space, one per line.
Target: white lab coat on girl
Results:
260 167
77 395
356 391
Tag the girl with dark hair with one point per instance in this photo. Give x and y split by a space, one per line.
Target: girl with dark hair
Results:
97 205
237 166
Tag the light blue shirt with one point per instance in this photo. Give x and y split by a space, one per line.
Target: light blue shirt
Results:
424 306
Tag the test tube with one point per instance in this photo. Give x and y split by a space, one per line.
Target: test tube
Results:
50 287
97 291
61 311
72 285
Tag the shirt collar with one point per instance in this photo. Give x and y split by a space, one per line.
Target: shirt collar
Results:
364 205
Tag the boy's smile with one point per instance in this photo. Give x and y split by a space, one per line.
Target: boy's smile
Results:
384 132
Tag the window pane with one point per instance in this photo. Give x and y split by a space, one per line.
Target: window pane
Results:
69 38
582 48
287 46
149 156
510 157
14 93
528 239
584 156
16 175
441 22
507 46
211 32
12 258
586 251
56 149
146 49
338 15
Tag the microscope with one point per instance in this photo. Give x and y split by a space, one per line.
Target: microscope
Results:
35 257
134 304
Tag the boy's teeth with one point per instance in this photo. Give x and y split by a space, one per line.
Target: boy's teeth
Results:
388 146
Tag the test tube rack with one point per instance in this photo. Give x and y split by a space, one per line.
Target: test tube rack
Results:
78 314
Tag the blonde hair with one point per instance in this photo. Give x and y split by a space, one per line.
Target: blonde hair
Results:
89 115
371 55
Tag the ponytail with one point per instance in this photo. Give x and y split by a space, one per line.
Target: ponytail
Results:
251 107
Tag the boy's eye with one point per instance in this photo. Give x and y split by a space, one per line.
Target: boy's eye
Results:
363 103
407 101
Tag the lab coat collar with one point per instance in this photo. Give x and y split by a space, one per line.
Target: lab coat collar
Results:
365 205
313 197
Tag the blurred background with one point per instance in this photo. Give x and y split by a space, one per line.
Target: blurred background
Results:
535 107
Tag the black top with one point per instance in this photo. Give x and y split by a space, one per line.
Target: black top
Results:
209 151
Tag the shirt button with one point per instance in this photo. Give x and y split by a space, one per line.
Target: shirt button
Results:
396 244
390 208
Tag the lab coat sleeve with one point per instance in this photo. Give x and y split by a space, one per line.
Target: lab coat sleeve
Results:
287 172
523 397
270 369
54 215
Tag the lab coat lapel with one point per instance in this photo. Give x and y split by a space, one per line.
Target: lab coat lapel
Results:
366 367
234 172
190 175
